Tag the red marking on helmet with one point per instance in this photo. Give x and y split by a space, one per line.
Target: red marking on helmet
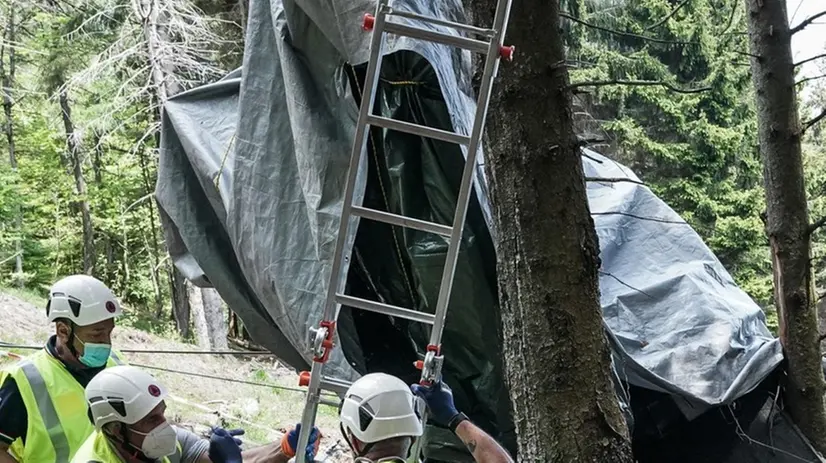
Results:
154 391
111 307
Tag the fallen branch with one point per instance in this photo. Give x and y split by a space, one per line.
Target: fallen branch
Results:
806 22
818 118
625 34
668 16
640 83
801 63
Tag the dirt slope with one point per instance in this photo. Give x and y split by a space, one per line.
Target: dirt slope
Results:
196 402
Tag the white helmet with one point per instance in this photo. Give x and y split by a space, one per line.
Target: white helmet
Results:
82 299
378 407
122 394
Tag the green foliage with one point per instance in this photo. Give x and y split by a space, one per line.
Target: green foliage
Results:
695 149
97 55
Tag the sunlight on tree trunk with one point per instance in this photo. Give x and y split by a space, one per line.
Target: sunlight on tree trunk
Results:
76 156
196 304
787 223
215 321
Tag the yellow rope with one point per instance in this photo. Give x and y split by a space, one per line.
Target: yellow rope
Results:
402 82
384 193
217 178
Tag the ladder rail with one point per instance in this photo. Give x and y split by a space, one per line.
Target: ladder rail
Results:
432 371
336 283
485 89
324 337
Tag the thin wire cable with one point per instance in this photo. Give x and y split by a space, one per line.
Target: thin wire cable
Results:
187 373
154 351
231 380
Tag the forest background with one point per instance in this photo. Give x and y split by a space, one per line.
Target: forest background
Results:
83 83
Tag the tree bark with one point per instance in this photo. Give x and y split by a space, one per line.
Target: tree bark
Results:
214 316
557 358
7 78
76 158
196 303
787 223
180 303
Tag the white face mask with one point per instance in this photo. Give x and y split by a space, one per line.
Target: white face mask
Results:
159 442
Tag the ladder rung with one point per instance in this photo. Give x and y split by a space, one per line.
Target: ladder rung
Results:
437 37
416 129
334 385
441 22
386 309
330 402
402 221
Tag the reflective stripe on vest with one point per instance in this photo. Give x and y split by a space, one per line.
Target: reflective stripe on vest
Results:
56 408
47 411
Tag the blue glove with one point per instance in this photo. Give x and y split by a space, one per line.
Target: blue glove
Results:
224 446
290 441
439 399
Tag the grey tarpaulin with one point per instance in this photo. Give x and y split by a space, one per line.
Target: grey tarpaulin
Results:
250 186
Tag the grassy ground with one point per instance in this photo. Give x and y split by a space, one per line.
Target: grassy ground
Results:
196 402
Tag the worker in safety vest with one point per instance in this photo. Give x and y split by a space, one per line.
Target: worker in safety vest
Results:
127 408
380 421
42 408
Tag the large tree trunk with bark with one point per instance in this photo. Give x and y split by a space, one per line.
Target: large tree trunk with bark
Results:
7 79
787 222
76 157
555 350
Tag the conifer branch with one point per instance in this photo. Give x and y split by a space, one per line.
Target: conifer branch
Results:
809 124
668 16
807 79
806 22
807 60
638 83
625 34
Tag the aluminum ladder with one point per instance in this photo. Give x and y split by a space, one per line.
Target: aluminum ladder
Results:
321 338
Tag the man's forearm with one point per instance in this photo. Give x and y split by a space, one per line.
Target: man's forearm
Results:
270 453
482 446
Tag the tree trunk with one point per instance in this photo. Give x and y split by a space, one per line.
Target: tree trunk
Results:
214 315
787 222
556 354
165 86
196 302
153 230
180 303
7 78
76 158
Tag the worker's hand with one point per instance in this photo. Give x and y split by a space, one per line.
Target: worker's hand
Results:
224 446
289 442
439 399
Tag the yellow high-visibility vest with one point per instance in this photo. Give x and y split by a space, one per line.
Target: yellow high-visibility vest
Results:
58 423
97 449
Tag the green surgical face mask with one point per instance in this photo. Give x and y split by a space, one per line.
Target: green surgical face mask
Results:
95 355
